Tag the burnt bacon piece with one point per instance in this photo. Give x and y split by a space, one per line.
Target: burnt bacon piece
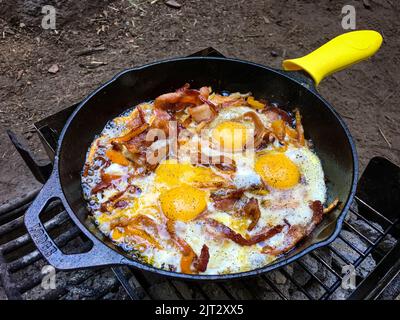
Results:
238 238
202 261
188 255
181 98
296 233
227 200
261 134
281 114
252 210
203 112
220 162
318 211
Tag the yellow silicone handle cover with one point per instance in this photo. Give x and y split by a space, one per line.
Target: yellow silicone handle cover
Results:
337 54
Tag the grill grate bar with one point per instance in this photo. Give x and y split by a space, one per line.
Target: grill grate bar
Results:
319 259
353 247
366 221
11 226
348 225
177 291
373 210
294 281
133 293
323 285
11 215
226 291
24 239
34 256
60 290
274 287
13 206
198 287
338 254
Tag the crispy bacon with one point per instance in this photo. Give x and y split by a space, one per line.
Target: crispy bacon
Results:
261 134
227 200
133 231
220 162
203 112
180 98
106 181
299 128
117 157
233 100
138 227
275 113
188 255
131 134
318 211
296 233
252 210
137 119
279 129
161 120
202 261
238 238
332 206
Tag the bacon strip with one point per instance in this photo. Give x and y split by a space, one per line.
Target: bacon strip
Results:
203 112
180 98
296 233
275 113
161 120
332 206
220 162
202 261
106 181
318 211
252 210
261 134
299 128
131 134
238 238
226 201
135 232
188 255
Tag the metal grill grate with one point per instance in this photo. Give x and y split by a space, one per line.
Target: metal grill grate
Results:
368 242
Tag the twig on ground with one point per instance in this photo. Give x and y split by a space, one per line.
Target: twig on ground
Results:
384 137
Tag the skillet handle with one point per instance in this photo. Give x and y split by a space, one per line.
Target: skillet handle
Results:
98 255
337 54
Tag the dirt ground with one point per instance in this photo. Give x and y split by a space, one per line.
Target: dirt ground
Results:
135 32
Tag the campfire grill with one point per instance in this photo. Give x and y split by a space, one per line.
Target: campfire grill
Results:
368 248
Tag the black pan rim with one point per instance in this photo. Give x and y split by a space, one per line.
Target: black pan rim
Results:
254 272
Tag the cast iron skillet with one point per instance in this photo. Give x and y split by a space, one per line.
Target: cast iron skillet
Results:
332 140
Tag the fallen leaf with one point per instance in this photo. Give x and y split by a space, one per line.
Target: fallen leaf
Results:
54 69
173 4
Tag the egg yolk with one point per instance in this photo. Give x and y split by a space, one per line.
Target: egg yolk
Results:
277 170
171 174
183 203
230 135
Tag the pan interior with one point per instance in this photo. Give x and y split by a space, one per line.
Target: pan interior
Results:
331 142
